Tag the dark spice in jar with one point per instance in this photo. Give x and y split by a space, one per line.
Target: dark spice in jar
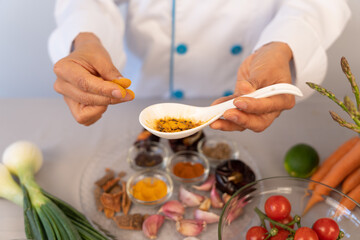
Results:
145 159
219 151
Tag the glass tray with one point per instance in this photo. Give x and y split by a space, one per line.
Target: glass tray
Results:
114 157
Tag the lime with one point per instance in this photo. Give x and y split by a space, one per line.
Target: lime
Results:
301 160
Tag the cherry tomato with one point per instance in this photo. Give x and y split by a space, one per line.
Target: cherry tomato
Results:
281 235
326 229
256 233
284 221
277 207
305 233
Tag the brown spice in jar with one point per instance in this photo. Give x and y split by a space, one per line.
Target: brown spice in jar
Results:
175 124
188 169
219 151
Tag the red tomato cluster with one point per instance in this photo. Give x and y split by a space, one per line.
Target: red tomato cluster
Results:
277 210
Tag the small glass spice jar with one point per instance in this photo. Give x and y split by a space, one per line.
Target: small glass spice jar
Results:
147 155
149 187
188 167
217 149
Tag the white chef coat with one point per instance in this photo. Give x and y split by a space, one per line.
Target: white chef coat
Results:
187 48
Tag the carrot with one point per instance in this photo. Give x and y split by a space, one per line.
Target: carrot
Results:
346 204
331 161
343 167
351 181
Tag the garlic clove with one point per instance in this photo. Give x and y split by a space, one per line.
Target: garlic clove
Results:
152 224
235 209
173 209
216 201
206 186
226 197
205 205
190 227
189 199
208 217
173 216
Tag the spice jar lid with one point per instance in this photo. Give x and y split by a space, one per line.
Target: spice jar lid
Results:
217 148
192 158
147 155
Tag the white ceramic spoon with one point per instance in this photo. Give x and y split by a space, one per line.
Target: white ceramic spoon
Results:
207 115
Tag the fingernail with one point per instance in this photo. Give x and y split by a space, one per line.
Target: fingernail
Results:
215 126
240 104
117 94
128 97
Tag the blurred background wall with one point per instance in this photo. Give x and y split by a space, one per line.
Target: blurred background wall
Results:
26 70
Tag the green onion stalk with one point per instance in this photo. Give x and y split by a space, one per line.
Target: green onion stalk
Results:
9 189
45 216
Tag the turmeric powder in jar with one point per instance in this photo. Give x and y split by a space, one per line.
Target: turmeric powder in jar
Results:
175 124
149 189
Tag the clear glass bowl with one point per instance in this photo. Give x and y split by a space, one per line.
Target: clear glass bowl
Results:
156 174
217 148
296 191
192 157
112 156
149 149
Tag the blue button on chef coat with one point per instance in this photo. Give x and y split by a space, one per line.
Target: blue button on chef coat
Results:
228 93
178 94
236 49
181 48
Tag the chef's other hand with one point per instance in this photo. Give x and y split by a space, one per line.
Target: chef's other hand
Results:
89 81
268 65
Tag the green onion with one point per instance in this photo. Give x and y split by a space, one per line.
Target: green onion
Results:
9 189
45 216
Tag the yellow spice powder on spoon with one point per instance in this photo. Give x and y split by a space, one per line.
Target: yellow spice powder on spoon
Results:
175 124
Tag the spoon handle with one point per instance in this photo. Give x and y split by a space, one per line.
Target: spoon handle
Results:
279 88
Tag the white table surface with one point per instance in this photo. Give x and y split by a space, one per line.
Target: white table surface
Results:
68 146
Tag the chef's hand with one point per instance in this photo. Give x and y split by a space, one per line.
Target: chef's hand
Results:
267 66
85 77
